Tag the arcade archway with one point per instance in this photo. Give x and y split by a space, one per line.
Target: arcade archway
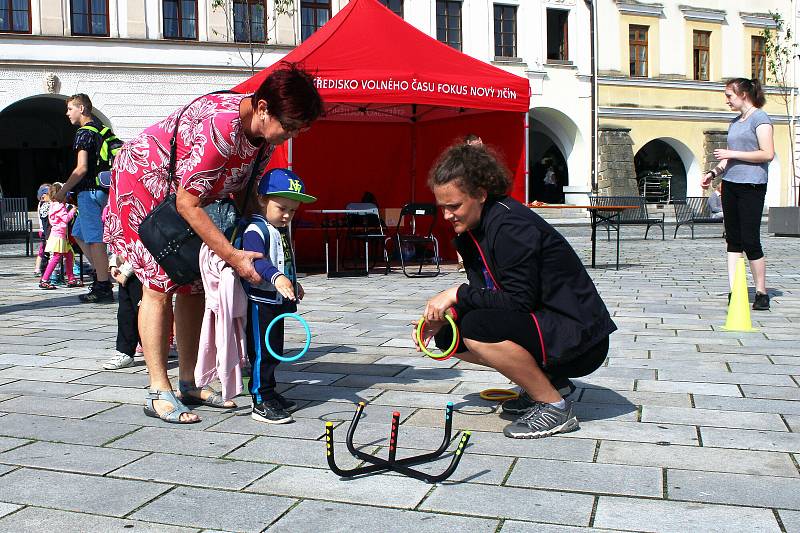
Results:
36 144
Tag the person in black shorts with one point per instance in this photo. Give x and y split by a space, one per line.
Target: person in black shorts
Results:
529 309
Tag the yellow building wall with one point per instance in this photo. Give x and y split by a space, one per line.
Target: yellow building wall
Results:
653 39
690 133
649 97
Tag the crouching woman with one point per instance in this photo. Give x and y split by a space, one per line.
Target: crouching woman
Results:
529 308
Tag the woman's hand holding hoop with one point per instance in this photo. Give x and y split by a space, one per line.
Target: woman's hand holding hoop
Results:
422 343
438 306
429 330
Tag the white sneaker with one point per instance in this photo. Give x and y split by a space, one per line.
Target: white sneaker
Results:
121 360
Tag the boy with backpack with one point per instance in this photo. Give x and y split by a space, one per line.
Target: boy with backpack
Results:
94 152
280 193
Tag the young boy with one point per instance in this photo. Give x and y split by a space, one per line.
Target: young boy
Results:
280 193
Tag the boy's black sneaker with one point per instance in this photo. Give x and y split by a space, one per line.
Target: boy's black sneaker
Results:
271 412
286 403
100 293
761 302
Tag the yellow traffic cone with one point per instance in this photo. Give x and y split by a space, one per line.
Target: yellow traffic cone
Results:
739 306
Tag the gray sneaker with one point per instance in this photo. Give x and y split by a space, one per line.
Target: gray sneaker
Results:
521 405
518 406
543 420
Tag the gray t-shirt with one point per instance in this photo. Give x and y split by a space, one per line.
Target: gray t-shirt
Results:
742 138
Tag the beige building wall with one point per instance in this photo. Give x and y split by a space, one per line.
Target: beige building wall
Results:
669 104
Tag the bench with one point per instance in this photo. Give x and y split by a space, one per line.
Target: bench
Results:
639 216
14 223
694 210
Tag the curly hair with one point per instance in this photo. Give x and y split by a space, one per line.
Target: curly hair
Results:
475 167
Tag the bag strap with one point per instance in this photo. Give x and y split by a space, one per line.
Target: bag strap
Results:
252 179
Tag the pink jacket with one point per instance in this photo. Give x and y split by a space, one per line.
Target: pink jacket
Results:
223 350
59 216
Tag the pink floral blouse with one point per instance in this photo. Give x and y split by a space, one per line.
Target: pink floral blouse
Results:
214 158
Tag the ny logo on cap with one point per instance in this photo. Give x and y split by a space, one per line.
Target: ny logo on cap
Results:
295 185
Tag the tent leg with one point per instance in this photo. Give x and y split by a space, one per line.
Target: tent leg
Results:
526 171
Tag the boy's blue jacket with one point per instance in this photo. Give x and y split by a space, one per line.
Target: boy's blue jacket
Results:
260 236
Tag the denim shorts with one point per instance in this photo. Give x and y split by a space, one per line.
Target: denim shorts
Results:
89 222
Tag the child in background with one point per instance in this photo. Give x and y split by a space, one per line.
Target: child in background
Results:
129 297
58 245
42 257
715 201
280 193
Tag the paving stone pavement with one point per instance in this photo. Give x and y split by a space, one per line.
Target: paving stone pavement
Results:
685 428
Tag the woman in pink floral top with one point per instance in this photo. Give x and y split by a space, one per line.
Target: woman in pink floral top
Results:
218 139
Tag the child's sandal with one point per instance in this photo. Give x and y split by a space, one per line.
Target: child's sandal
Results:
46 285
71 283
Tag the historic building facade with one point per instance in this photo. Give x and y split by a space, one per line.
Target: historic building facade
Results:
658 96
140 59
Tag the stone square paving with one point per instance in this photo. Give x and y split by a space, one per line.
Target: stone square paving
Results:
686 428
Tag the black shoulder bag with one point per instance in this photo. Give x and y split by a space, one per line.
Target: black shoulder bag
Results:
165 233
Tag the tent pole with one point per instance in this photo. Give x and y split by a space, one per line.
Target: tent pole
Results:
413 151
527 166
290 153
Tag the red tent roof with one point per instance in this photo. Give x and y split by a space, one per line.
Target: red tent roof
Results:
367 54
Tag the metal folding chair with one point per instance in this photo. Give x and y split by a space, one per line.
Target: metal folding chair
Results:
368 227
411 231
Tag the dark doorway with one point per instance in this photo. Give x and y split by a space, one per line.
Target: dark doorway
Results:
660 172
35 146
548 170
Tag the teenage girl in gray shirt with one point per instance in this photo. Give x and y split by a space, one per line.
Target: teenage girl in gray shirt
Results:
743 166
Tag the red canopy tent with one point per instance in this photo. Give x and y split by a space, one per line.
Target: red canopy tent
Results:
395 98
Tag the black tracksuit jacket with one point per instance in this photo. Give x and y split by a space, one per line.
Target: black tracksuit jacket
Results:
535 271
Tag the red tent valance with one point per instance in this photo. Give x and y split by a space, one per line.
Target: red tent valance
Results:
368 54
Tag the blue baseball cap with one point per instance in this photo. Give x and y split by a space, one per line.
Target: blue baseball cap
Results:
285 183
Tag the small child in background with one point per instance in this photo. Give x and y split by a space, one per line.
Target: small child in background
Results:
58 245
42 257
128 298
280 193
715 201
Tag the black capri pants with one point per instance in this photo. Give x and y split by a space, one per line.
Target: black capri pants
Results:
496 325
742 205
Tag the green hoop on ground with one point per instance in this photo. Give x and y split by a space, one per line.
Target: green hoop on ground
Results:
308 337
445 354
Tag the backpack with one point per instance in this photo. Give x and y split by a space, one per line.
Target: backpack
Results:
224 214
107 151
